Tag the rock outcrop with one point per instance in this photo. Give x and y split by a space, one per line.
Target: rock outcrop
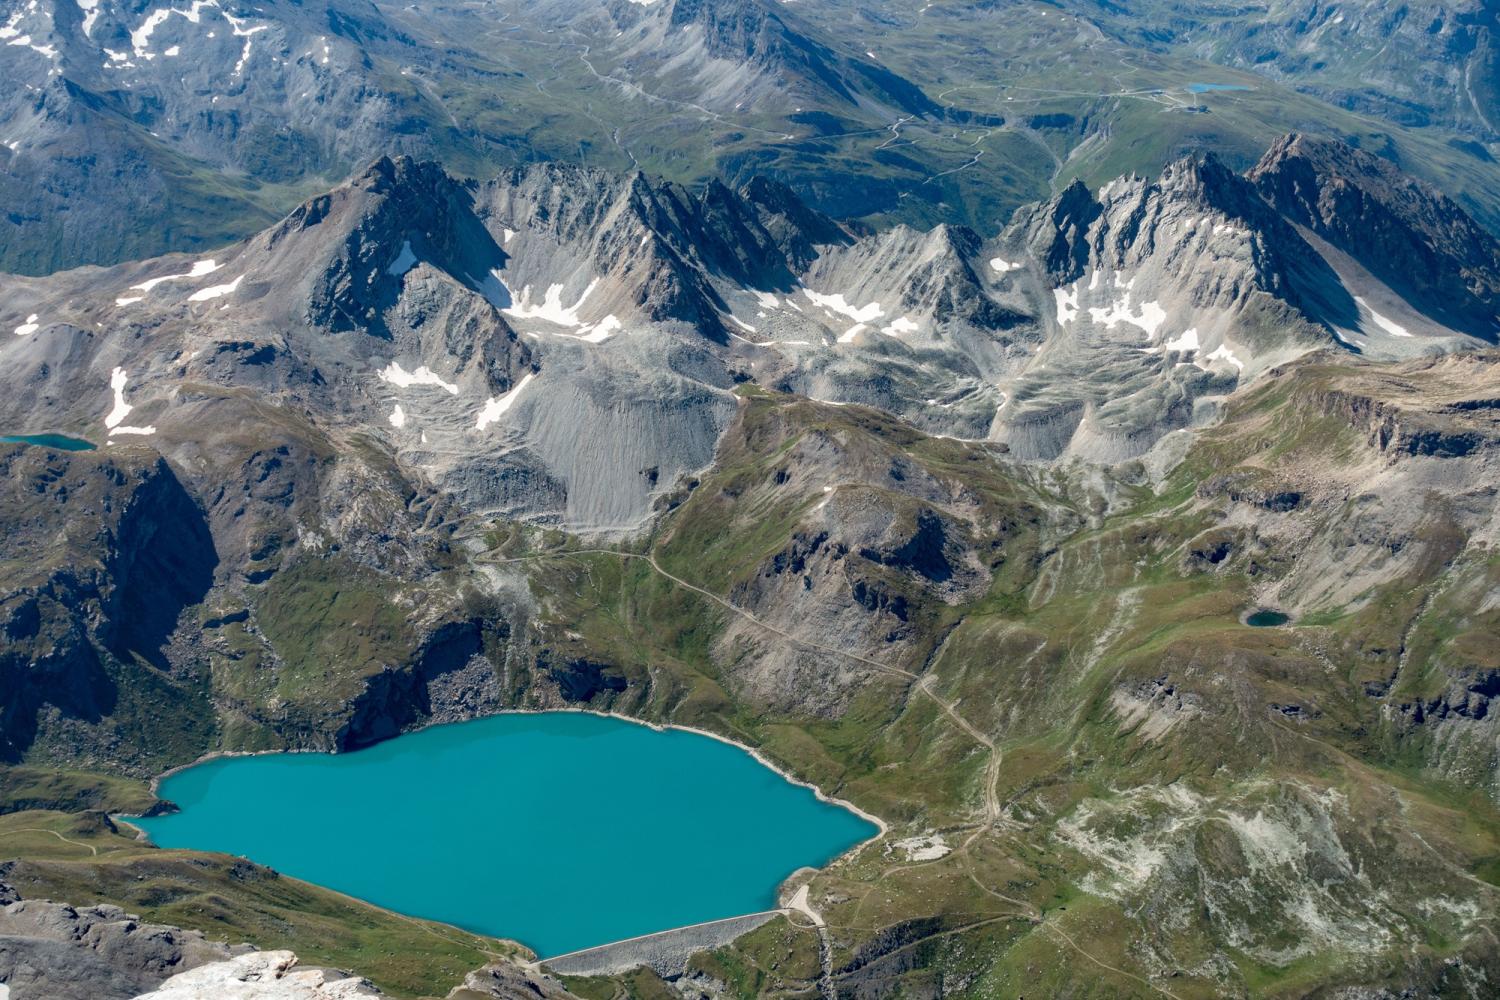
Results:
261 975
53 951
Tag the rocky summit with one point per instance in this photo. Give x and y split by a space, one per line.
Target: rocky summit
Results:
1066 434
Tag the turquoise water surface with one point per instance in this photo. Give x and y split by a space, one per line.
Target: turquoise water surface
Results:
561 830
59 441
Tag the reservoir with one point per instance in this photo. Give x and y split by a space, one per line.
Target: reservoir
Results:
561 830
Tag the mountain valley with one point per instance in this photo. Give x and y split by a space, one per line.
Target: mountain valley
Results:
1107 505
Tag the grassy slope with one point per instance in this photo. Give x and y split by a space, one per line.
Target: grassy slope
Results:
80 858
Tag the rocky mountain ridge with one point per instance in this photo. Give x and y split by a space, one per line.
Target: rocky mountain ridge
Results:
1090 328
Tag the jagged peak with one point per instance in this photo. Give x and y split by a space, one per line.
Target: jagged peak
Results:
1417 240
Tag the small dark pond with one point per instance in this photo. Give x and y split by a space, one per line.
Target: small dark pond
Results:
1265 618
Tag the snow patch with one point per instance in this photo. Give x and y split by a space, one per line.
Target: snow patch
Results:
140 38
25 40
1067 303
29 327
1188 341
1001 265
1148 316
495 406
114 420
237 26
215 291
898 326
90 10
1387 324
398 376
599 332
397 417
198 270
1223 353
550 308
836 303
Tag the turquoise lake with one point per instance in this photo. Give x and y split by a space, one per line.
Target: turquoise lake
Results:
59 441
561 830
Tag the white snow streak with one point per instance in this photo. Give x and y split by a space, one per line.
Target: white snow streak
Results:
199 270
1223 353
215 291
114 420
1187 342
495 407
1387 324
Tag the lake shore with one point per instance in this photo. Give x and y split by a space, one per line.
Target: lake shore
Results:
881 825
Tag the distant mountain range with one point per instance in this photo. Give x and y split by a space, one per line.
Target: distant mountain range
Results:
135 130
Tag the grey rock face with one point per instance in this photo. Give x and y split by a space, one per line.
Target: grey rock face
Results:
116 118
53 951
1412 237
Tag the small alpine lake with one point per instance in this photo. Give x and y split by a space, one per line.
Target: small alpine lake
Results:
59 441
561 830
1210 88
